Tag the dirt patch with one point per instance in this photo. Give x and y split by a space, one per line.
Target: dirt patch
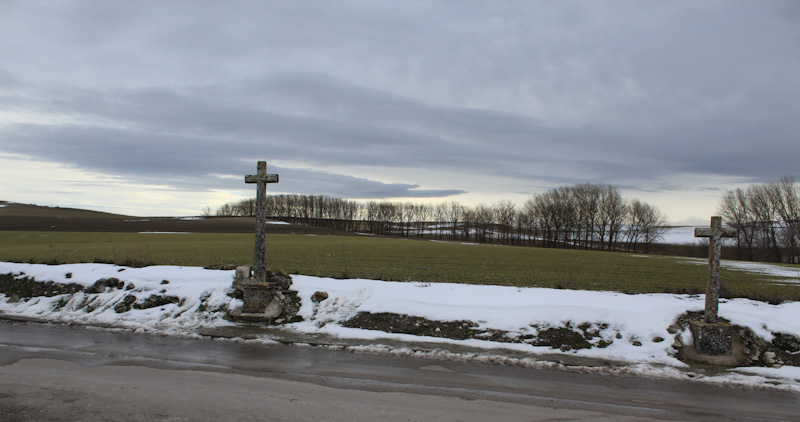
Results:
563 338
405 324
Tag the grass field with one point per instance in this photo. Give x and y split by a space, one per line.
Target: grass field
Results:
396 259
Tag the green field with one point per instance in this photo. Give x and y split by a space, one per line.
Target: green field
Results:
397 259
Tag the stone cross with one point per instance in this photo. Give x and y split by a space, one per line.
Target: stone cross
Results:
260 252
715 233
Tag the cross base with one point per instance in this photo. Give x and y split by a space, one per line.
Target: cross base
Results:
269 301
712 338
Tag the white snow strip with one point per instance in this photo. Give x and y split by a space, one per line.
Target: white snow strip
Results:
634 325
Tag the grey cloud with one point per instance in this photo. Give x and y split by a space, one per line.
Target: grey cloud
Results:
547 93
342 186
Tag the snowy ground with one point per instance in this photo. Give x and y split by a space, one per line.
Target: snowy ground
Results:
636 324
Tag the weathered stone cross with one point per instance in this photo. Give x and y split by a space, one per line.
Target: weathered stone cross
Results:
715 233
260 251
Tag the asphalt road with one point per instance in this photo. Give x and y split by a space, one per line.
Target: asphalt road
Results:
62 373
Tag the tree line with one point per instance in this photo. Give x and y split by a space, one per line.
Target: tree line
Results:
584 216
767 218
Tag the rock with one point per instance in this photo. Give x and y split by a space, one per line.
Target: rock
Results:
164 281
125 304
769 358
282 280
130 287
156 300
274 309
102 284
243 272
318 297
25 288
786 342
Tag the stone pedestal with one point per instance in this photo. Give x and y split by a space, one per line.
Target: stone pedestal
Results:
268 301
712 338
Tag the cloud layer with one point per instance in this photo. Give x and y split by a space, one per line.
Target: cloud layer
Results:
368 99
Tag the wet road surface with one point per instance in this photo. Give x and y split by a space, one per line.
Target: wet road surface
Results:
57 372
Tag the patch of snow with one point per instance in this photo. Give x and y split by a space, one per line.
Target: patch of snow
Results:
791 272
682 235
785 372
278 223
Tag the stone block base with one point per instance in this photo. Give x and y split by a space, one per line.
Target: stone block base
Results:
267 301
712 339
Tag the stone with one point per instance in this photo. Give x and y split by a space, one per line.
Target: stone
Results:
318 297
243 272
102 284
153 301
714 234
256 296
261 178
712 338
786 342
125 304
274 309
265 294
269 301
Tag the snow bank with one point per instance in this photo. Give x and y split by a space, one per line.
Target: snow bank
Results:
201 293
634 325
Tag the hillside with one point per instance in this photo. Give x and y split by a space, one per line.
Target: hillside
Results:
26 217
13 209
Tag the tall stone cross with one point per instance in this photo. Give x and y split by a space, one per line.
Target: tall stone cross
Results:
260 252
714 234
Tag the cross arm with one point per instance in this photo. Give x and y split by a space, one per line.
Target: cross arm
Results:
253 178
707 232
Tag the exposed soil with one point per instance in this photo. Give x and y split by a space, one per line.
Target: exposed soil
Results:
563 338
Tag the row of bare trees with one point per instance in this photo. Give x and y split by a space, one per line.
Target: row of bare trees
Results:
589 216
767 218
585 216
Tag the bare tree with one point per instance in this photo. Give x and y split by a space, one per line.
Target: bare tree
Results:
646 224
612 215
735 209
504 215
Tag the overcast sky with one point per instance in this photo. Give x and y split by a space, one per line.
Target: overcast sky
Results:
161 107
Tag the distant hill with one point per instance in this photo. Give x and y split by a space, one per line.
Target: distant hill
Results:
26 217
12 209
